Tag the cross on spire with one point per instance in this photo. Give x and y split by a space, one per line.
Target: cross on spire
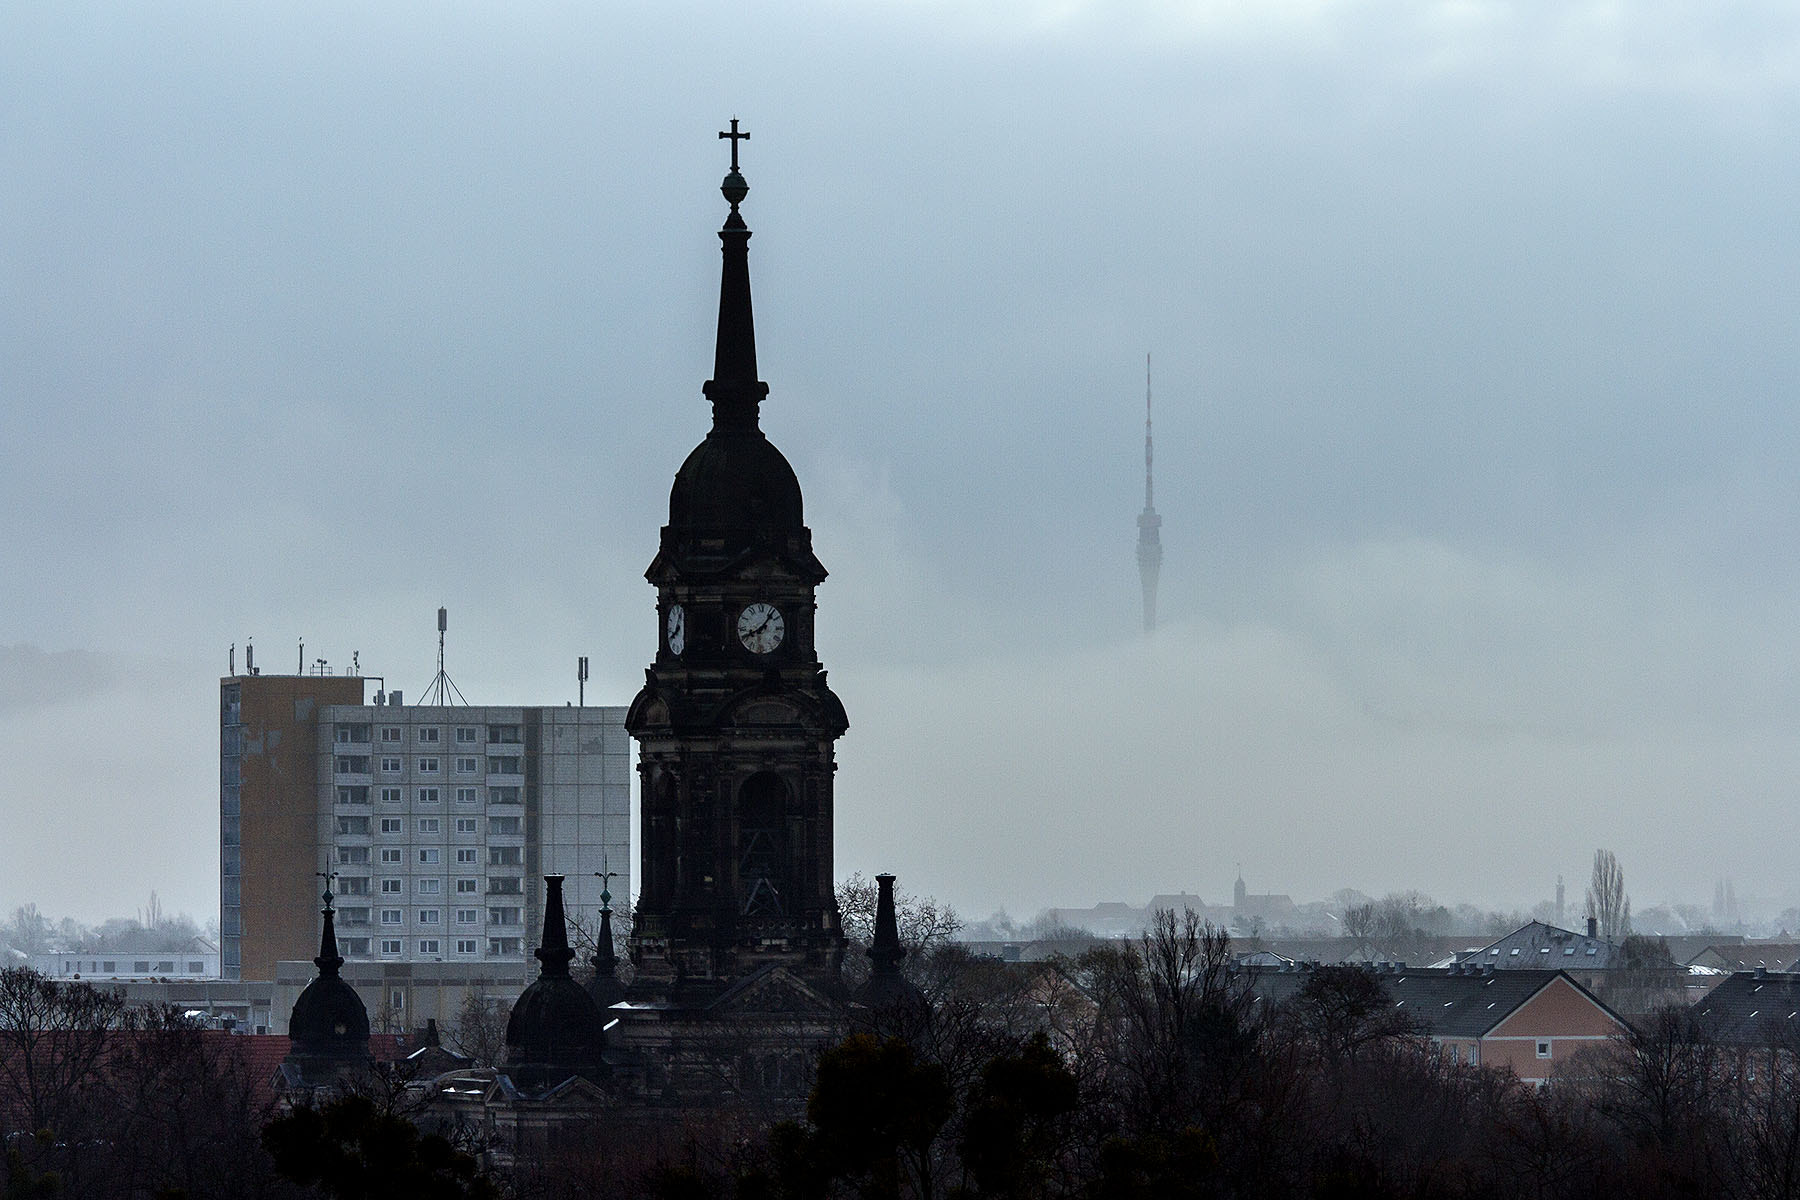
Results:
327 876
735 137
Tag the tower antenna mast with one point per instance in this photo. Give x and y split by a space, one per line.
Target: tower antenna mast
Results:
1149 546
442 688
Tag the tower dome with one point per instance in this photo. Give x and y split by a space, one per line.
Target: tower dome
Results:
555 1029
329 1027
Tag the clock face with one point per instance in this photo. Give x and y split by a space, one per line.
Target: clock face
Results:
760 627
677 629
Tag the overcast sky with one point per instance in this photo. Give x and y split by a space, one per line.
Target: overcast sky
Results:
1474 332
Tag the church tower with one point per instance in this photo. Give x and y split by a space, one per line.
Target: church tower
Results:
1149 546
735 725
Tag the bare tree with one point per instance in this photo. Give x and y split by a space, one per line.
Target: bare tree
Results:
480 1029
1607 902
53 1039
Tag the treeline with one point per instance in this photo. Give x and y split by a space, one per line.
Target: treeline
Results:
1139 1070
1146 1071
29 931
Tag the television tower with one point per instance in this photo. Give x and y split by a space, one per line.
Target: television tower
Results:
1149 547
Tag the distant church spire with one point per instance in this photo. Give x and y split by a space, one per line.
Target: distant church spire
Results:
1149 547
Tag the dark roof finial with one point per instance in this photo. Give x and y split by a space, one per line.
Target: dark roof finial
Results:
329 960
554 952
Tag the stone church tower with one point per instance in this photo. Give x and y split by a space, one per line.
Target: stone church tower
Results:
735 723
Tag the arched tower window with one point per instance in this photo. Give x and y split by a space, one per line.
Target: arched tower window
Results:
762 845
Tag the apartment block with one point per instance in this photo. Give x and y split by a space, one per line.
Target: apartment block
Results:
437 823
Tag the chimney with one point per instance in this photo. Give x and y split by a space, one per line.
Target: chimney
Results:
1593 927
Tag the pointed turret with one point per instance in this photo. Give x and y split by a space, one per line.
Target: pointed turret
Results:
886 988
329 1027
554 1030
1149 547
606 987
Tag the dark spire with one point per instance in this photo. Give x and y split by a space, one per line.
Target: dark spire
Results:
329 960
886 990
886 951
554 952
734 388
606 988
554 1030
329 1026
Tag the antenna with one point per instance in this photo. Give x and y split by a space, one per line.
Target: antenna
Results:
581 681
249 658
442 687
1149 546
232 668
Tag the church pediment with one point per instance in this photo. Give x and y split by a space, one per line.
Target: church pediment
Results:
775 991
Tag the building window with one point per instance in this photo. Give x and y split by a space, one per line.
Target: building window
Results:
353 916
503 795
1543 1049
503 945
353 764
507 885
428 766
465 765
467 887
465 735
390 733
358 826
465 795
506 856
430 887
428 795
390 945
466 857
390 916
465 824
505 916
430 825
356 946
428 945
354 885
391 857
503 825
390 766
390 887
465 945
428 855
353 795
390 795
430 735
390 824
352 734
467 916
503 764
141 967
504 735
358 855
428 916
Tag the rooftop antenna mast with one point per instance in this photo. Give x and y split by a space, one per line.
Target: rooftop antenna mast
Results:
442 688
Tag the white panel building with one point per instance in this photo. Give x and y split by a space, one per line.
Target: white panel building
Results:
442 821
